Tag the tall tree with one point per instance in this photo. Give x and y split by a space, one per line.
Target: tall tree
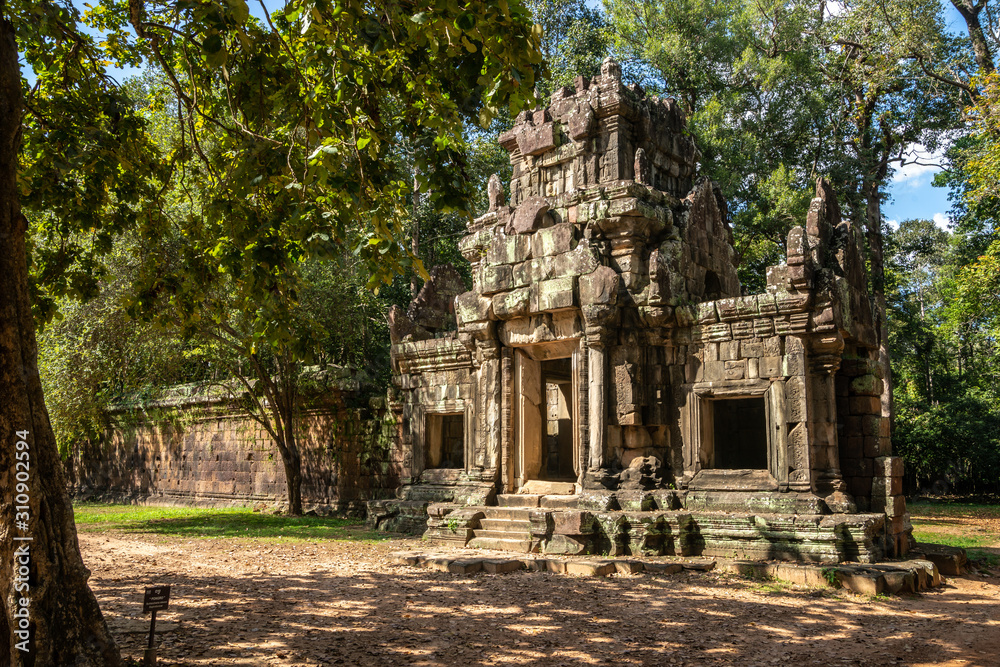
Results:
68 144
971 10
944 361
303 118
781 92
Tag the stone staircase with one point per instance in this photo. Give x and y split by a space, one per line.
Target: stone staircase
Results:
504 529
643 523
651 524
408 513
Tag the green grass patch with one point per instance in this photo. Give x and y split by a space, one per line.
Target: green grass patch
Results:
195 522
970 526
952 509
952 540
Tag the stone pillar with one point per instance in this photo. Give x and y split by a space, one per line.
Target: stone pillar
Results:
824 359
506 383
799 456
599 303
488 390
597 395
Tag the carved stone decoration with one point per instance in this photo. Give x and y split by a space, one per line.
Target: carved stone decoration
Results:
494 190
434 307
400 325
582 122
641 167
610 70
530 215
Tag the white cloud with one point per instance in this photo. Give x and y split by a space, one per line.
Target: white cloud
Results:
893 223
942 220
919 166
835 8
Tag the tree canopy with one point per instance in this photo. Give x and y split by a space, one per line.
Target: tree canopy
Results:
264 144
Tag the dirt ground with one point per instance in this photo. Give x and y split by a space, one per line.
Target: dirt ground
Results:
247 602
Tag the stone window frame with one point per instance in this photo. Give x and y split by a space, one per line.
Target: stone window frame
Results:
457 406
700 424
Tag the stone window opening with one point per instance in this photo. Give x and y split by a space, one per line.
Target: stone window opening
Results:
713 286
738 436
445 441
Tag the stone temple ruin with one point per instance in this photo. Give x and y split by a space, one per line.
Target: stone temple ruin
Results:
606 388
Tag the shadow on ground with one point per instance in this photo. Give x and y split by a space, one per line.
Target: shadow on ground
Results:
406 616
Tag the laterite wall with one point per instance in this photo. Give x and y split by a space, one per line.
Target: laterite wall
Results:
200 452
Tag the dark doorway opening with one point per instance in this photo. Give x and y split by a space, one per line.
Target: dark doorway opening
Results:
557 452
445 441
740 434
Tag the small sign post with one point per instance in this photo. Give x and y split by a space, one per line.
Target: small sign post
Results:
156 598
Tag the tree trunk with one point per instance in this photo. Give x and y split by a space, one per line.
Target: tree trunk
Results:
415 238
873 215
293 476
63 622
970 10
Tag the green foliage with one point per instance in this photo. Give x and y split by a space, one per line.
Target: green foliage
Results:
286 128
977 295
574 40
88 170
779 93
974 217
947 417
92 356
956 440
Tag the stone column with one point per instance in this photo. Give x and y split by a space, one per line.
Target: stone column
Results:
797 415
599 303
824 355
506 385
488 405
597 394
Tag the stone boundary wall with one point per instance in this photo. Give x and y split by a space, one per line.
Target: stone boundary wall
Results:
199 451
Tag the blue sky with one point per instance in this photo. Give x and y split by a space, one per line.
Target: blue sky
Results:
911 194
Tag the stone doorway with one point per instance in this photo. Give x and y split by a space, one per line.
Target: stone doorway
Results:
546 411
558 463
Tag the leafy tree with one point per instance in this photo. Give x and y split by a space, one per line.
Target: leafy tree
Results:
93 356
781 92
574 40
289 123
944 364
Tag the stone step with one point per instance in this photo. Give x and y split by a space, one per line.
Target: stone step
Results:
546 488
507 525
507 513
502 534
428 493
500 544
517 500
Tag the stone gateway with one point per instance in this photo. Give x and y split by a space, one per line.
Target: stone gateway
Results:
606 387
